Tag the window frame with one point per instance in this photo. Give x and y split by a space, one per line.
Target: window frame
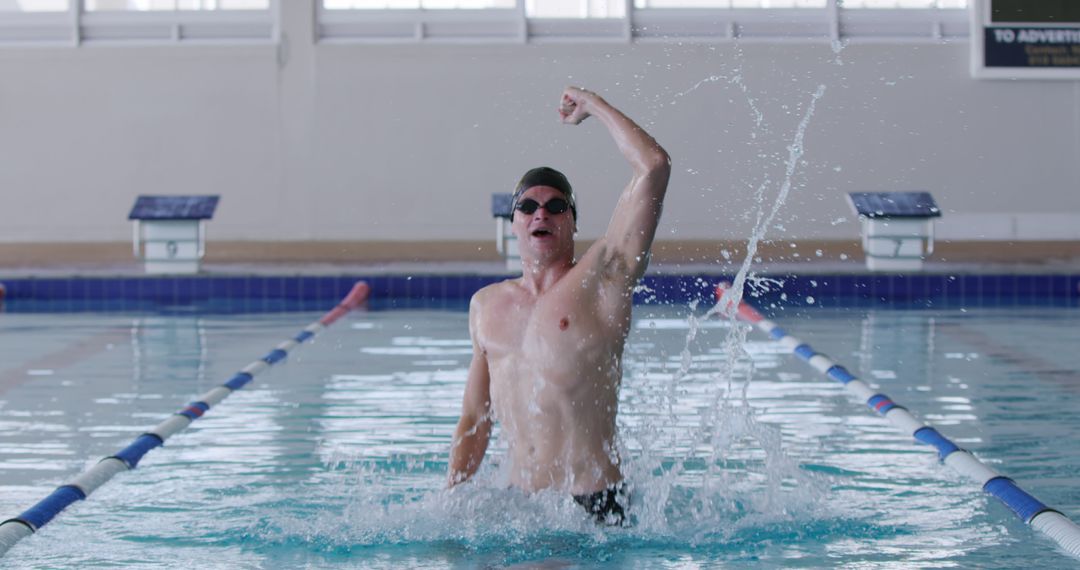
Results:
775 25
831 24
76 27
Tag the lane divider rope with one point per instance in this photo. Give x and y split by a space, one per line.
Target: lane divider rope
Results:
1029 509
15 529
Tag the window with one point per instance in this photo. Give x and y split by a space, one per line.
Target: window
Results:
416 4
764 4
77 22
533 8
172 5
33 5
913 4
640 20
575 8
74 22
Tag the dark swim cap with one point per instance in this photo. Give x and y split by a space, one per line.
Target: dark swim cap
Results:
544 176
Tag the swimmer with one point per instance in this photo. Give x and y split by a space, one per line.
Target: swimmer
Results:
547 346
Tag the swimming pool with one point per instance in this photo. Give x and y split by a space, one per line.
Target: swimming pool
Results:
339 455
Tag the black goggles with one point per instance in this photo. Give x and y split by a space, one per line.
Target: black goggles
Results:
553 206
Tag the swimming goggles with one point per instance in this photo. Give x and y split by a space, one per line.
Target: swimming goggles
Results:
553 206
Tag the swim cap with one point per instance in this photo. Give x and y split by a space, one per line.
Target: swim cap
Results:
544 176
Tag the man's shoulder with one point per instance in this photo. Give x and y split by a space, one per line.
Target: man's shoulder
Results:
490 293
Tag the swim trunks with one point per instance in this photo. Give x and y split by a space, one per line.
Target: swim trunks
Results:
607 506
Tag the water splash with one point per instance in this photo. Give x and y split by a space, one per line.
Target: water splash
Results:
732 470
737 80
838 46
698 85
482 519
795 151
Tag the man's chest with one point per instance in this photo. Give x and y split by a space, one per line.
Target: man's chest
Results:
544 332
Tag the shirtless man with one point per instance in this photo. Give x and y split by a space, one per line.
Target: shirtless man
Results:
547 347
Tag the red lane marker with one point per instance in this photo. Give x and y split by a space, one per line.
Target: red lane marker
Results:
354 299
745 312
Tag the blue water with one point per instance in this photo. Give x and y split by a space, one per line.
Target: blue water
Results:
337 457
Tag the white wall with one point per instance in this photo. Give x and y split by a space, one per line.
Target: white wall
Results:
363 142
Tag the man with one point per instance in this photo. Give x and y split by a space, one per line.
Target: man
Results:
547 347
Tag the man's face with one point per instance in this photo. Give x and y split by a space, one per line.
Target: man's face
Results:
543 236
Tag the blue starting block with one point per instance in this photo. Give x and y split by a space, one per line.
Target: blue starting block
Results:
505 240
169 233
897 228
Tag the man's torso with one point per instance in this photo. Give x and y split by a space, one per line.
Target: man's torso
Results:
554 361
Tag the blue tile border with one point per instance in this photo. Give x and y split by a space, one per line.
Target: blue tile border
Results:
428 290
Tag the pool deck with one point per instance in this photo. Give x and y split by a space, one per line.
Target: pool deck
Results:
710 257
815 267
827 277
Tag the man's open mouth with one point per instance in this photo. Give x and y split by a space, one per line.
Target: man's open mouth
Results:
541 233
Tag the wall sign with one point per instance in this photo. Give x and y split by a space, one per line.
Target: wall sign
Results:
1021 39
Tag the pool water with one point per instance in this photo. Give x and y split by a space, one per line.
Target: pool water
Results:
736 456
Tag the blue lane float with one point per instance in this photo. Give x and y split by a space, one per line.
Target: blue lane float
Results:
37 516
29 521
135 451
1029 509
238 381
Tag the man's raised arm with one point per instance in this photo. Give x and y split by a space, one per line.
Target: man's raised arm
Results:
633 224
